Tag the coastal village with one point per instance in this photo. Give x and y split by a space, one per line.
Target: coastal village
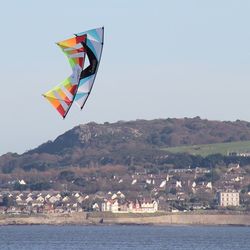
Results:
132 167
178 190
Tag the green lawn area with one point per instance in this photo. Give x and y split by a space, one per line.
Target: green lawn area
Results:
208 149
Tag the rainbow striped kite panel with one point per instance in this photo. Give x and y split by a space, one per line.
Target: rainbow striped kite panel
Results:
77 87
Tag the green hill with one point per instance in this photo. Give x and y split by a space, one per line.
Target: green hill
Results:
132 143
216 148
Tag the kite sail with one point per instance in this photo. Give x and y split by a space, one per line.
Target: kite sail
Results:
84 52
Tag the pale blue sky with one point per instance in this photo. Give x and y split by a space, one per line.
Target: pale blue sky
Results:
161 59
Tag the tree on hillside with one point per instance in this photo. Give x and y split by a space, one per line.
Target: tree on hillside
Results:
66 175
8 201
213 160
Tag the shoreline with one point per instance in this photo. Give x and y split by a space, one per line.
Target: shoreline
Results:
89 219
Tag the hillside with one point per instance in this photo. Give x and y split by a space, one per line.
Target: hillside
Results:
214 148
160 133
126 143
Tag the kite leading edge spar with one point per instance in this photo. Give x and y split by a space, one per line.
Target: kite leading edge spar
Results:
84 52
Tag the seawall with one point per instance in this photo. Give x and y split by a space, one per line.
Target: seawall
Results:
185 219
109 219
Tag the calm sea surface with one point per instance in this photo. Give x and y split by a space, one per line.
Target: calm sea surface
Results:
124 237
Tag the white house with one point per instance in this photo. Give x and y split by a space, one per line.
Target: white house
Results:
77 195
58 196
65 199
106 206
129 207
96 207
229 198
209 185
114 196
149 207
86 197
178 184
40 199
53 199
80 199
29 199
163 184
133 182
18 198
47 197
22 182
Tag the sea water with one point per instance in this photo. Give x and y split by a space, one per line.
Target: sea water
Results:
124 237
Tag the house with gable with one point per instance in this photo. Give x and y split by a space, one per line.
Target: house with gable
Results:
125 206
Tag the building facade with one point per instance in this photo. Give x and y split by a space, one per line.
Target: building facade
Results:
136 206
229 198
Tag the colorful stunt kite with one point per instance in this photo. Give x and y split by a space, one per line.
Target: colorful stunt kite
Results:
84 54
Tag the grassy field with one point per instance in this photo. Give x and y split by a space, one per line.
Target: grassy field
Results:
208 149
